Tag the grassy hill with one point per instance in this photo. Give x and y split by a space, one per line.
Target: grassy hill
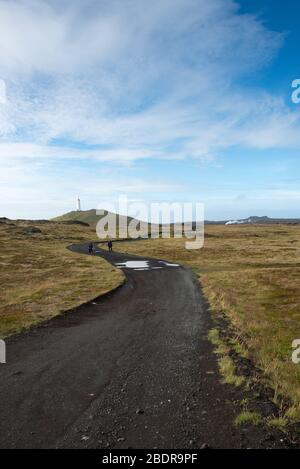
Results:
86 216
91 218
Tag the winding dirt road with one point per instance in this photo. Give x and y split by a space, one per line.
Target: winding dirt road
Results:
132 369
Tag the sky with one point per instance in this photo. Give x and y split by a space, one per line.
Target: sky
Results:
168 100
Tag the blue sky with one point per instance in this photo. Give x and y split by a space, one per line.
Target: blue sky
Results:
168 100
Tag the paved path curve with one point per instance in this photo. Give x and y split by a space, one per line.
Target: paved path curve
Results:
131 369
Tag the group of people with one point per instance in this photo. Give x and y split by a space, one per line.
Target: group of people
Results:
109 245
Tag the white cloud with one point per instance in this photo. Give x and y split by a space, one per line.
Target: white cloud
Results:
128 73
31 151
128 80
51 37
42 189
2 92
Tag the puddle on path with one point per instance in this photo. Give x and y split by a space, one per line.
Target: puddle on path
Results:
143 265
134 265
168 264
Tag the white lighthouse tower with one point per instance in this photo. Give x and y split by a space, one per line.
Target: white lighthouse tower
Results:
78 205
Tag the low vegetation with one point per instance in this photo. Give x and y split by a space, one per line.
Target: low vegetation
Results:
226 365
250 274
40 278
248 418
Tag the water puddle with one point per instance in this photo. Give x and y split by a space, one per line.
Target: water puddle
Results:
144 265
138 265
168 264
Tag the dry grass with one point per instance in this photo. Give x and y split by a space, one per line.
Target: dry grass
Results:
248 418
40 278
226 365
252 274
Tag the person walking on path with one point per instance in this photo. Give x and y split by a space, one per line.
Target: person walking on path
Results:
110 244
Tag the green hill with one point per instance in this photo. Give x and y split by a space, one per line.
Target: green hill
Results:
91 218
86 216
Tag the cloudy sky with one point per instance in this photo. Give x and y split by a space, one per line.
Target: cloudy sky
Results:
160 100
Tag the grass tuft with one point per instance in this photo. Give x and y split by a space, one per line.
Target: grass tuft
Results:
281 423
226 365
248 418
227 370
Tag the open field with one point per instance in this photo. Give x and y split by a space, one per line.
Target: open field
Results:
250 274
40 278
134 369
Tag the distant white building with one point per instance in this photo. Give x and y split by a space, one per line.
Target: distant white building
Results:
235 222
78 205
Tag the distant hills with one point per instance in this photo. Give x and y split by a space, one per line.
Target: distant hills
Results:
254 220
91 218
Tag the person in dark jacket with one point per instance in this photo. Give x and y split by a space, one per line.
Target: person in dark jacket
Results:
110 245
91 248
